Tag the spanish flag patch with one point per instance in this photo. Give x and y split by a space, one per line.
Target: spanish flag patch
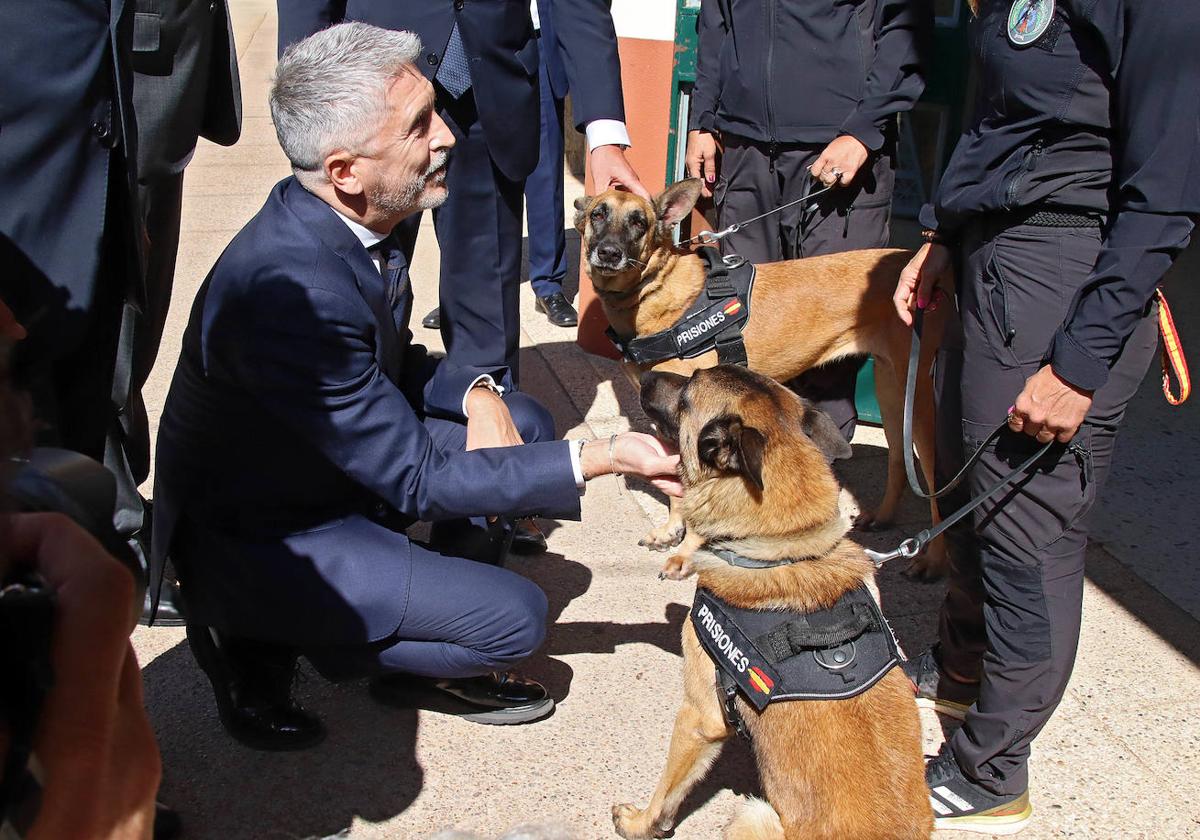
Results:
760 680
733 307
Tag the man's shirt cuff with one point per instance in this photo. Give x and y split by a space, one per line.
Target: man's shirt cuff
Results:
491 383
606 133
577 465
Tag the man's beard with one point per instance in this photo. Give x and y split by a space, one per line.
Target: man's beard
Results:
412 194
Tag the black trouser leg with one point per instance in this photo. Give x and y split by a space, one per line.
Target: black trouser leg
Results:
1026 590
851 218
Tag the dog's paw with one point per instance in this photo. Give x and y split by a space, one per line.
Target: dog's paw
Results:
633 823
663 537
677 567
868 521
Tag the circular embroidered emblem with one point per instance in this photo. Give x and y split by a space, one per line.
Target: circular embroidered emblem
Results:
1028 20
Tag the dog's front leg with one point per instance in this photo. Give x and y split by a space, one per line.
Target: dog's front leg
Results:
700 730
679 564
668 534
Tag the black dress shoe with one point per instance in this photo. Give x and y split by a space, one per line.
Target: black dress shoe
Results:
433 321
167 824
528 538
252 683
498 699
170 613
558 309
462 538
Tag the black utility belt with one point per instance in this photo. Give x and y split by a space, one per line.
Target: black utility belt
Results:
1048 217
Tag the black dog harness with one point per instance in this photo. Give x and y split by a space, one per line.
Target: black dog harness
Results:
714 321
772 655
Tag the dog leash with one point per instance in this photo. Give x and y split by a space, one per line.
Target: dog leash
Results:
911 547
709 237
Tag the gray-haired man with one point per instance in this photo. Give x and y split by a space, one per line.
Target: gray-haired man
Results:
304 432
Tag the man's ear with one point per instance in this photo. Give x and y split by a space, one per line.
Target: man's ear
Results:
341 172
822 431
727 445
581 205
676 201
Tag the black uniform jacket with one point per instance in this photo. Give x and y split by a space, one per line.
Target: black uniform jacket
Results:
798 71
1101 113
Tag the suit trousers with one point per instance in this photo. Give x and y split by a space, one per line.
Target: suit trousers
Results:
127 450
1012 611
544 197
752 181
463 618
479 236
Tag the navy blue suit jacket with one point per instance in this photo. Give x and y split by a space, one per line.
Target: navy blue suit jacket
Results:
294 414
551 51
65 118
498 36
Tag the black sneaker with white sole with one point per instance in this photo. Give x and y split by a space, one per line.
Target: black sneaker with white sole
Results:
961 805
935 689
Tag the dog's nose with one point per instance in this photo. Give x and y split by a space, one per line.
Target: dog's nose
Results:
608 253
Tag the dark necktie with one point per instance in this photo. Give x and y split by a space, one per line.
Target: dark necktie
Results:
393 267
455 73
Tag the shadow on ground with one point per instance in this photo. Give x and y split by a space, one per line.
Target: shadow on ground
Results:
366 768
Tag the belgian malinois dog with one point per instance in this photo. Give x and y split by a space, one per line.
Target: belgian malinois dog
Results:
754 459
803 313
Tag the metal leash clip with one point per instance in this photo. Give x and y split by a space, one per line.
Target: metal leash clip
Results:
713 237
908 549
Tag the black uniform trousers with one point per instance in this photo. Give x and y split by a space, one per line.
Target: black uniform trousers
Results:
479 236
1012 612
753 181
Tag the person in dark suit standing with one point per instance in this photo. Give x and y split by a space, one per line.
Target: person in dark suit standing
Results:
185 86
304 431
544 186
483 60
70 232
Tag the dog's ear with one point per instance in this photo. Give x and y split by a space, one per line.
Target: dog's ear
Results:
726 444
822 431
581 205
676 201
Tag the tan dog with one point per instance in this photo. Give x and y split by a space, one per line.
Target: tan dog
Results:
756 478
803 313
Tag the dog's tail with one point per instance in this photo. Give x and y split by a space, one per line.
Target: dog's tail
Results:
756 821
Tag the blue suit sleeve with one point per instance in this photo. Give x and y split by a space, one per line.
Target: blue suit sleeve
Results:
300 18
589 49
712 29
896 79
308 355
1156 180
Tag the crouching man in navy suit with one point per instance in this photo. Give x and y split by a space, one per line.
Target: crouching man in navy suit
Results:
304 431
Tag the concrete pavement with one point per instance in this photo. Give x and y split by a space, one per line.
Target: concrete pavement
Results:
1120 759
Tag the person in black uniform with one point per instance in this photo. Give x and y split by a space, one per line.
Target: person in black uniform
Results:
1065 201
789 125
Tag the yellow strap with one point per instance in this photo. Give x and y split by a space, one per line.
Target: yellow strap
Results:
1172 354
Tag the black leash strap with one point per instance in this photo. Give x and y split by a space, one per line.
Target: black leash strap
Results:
912 546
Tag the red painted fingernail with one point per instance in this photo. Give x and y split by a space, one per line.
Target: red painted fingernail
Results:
921 302
710 177
1011 409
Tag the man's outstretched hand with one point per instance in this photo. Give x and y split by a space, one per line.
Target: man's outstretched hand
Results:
634 453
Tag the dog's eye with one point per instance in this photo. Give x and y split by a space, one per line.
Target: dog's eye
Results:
637 225
600 213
